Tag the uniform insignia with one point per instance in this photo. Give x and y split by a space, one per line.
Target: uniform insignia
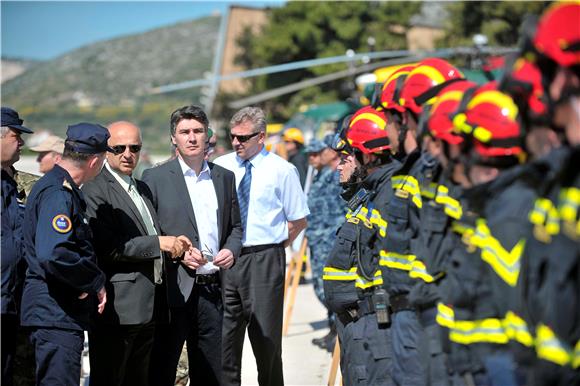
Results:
353 220
67 185
401 193
61 223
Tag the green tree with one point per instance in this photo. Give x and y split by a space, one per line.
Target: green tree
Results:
500 21
308 30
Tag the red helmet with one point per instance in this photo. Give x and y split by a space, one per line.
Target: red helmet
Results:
558 33
392 88
426 75
523 81
440 123
491 120
367 131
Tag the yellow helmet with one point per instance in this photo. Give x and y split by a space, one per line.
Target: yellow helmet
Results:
293 134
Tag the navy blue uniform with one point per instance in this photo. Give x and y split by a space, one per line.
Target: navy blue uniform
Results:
61 267
12 270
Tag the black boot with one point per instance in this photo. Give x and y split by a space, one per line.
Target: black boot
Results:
323 342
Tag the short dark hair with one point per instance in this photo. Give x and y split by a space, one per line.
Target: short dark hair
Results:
76 157
188 112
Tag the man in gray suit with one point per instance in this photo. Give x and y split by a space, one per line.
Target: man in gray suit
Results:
130 249
198 199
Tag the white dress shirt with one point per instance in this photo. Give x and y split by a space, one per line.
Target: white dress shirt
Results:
205 208
276 196
129 186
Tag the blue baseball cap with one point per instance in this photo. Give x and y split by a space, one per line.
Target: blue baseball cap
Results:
88 138
328 140
11 119
315 146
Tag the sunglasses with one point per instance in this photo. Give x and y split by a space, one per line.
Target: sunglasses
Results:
244 138
120 149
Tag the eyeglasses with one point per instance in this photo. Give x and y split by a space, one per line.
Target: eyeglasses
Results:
120 149
244 138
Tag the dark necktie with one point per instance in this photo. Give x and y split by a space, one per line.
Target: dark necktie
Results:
244 193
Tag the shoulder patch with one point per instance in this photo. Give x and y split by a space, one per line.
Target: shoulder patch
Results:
401 193
353 220
61 223
67 185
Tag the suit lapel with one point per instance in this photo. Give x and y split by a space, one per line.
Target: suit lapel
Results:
150 207
218 184
124 196
182 192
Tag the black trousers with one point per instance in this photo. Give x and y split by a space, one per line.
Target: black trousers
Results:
254 298
120 354
58 356
199 324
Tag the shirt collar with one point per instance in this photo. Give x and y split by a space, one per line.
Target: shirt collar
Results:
123 179
255 160
186 170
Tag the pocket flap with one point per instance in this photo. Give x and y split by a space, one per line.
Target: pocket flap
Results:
123 276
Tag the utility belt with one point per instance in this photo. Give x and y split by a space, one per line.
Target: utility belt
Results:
362 308
260 248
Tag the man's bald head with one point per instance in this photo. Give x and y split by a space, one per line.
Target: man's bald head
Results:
126 141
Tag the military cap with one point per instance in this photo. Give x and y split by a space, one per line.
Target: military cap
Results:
50 143
88 138
315 146
11 119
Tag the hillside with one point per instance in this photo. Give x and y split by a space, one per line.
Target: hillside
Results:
108 80
118 70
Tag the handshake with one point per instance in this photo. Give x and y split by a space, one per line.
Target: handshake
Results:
181 248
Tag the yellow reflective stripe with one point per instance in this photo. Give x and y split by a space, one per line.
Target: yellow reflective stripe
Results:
478 331
498 99
506 264
419 271
569 203
517 329
411 185
381 123
550 348
429 191
452 206
378 220
576 359
445 315
363 283
545 214
396 260
330 273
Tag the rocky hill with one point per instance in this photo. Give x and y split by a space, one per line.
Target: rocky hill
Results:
118 71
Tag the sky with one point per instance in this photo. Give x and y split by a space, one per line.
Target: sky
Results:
46 29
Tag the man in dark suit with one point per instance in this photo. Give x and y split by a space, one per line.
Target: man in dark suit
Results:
129 248
198 199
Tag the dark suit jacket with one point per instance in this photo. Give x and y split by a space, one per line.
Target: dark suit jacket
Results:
175 212
125 252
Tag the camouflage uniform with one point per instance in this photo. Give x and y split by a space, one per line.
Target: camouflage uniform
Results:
327 211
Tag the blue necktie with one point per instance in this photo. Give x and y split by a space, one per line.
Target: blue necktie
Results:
244 193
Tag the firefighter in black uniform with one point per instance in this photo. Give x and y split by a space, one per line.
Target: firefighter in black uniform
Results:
551 274
352 280
403 94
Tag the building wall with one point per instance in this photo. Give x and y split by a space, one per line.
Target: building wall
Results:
423 38
239 19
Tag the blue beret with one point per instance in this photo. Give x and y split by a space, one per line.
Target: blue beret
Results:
11 119
88 138
315 146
